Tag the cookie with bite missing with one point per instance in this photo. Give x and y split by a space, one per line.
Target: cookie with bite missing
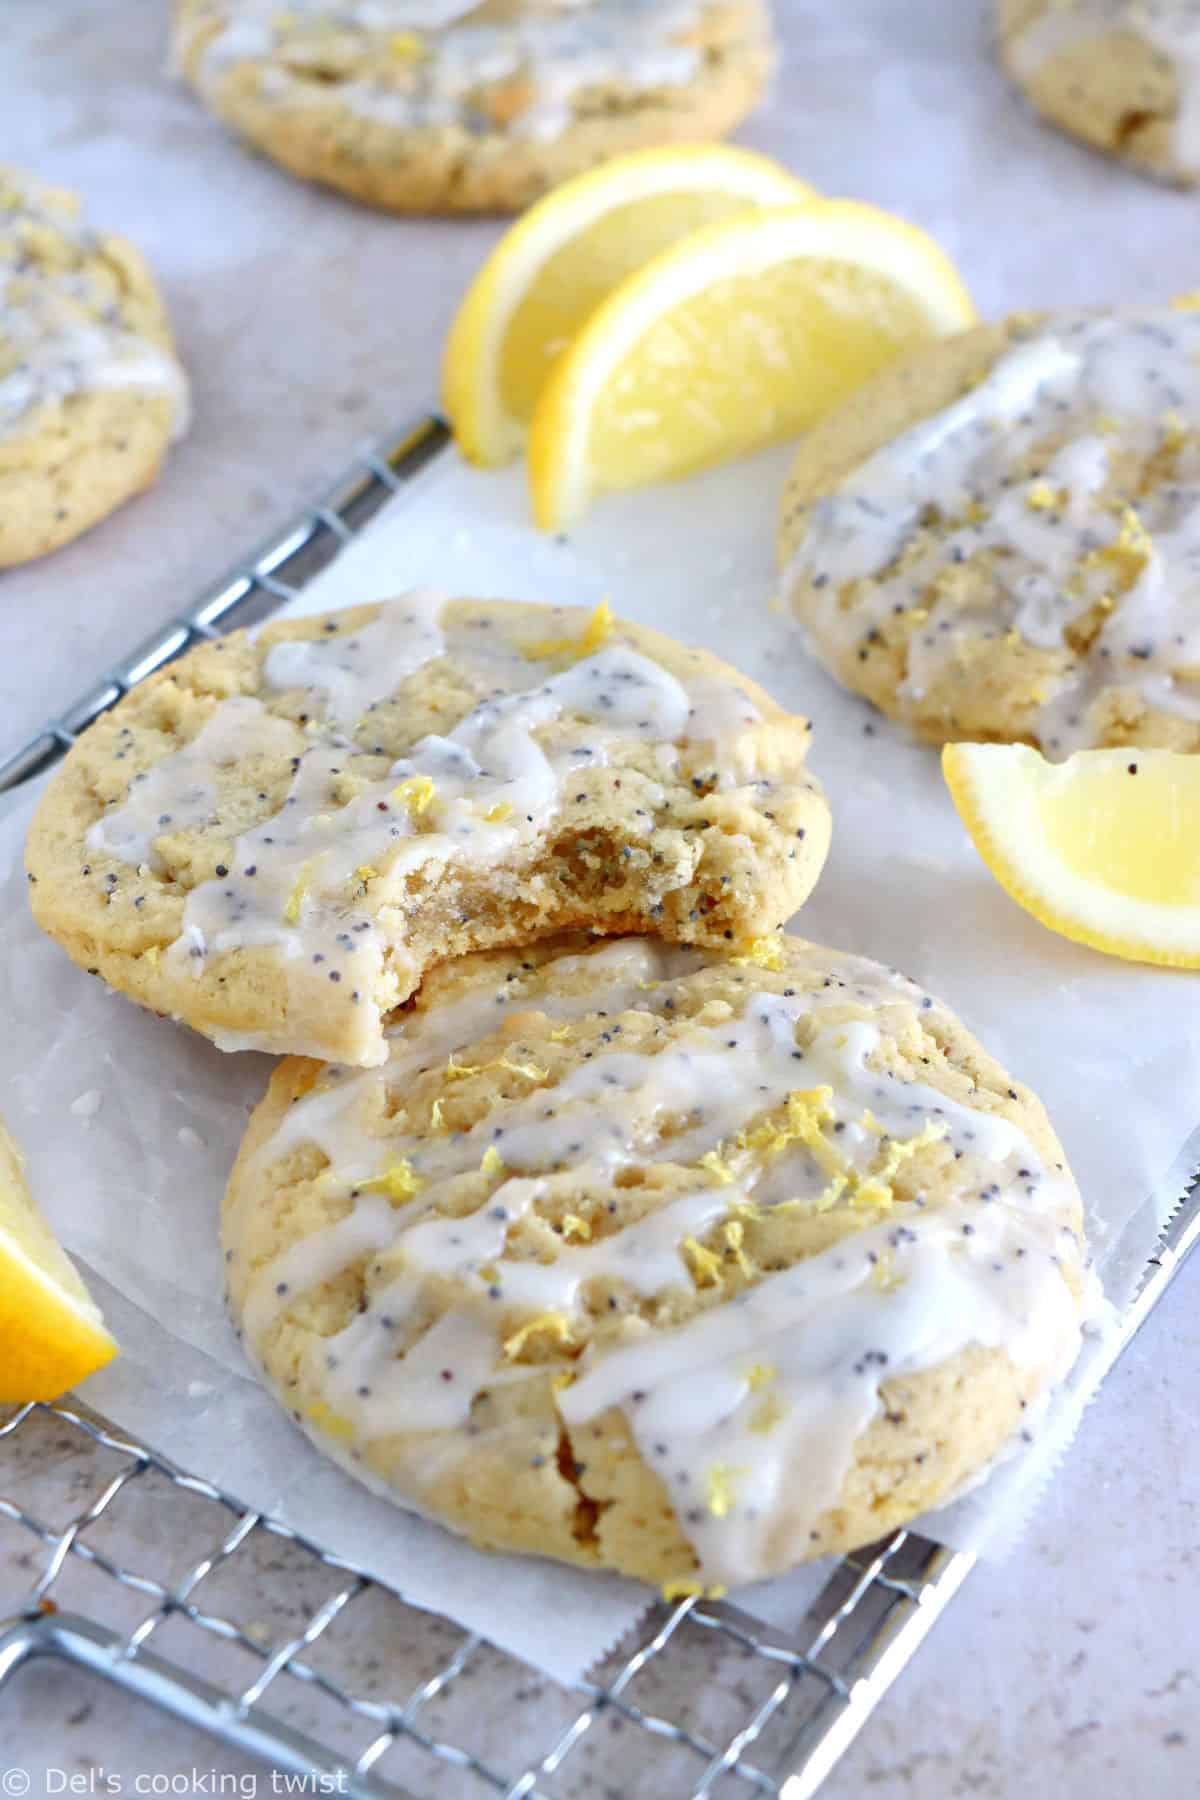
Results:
91 391
996 539
273 839
1122 75
656 1259
454 107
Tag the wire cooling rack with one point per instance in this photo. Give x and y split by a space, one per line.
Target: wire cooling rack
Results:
233 1623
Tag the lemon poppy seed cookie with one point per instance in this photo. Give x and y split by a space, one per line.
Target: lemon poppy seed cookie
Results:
449 106
999 538
90 390
272 840
1123 75
660 1260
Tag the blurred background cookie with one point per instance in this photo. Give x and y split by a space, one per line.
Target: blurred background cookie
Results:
1123 75
91 392
445 106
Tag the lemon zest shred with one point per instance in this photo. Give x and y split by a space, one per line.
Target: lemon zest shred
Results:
705 1266
596 632
151 955
560 1034
492 1163
408 46
490 1273
760 1375
575 1227
331 1423
456 1071
734 1233
648 987
682 1590
720 1482
1042 497
496 815
417 793
1189 302
531 1071
715 1163
365 873
760 953
295 900
563 1379
437 1120
399 1181
830 1196
556 1324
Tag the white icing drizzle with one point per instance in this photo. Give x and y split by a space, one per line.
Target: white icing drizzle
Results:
811 1344
1111 384
434 82
61 332
322 881
1172 27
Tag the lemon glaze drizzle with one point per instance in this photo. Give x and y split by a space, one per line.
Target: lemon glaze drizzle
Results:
810 1344
1128 381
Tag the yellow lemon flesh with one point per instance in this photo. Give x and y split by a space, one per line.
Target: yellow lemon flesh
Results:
1103 848
51 1333
552 269
742 335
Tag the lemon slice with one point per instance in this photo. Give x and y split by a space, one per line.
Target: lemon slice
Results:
554 267
1103 848
741 335
51 1333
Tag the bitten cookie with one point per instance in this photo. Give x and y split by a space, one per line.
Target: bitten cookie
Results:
1123 75
448 106
91 392
998 539
657 1260
273 840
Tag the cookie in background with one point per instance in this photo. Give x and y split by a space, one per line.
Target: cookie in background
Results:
91 391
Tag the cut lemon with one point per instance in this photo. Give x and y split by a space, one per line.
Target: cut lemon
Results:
555 266
743 334
51 1333
1103 848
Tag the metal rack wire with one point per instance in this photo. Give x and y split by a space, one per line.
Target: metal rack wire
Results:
337 1676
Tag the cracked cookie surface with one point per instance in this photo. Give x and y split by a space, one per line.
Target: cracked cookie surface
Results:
272 840
660 1260
445 106
91 392
1000 538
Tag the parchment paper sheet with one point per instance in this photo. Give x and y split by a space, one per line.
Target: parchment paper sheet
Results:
131 1122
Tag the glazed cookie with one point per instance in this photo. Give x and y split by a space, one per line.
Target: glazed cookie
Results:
998 538
659 1260
90 390
1123 75
449 106
272 840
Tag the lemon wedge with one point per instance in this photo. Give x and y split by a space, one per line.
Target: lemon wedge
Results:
1103 848
557 263
743 334
51 1333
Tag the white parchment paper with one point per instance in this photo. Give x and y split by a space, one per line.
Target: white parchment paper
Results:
131 1122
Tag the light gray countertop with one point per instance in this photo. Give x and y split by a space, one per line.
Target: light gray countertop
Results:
310 325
